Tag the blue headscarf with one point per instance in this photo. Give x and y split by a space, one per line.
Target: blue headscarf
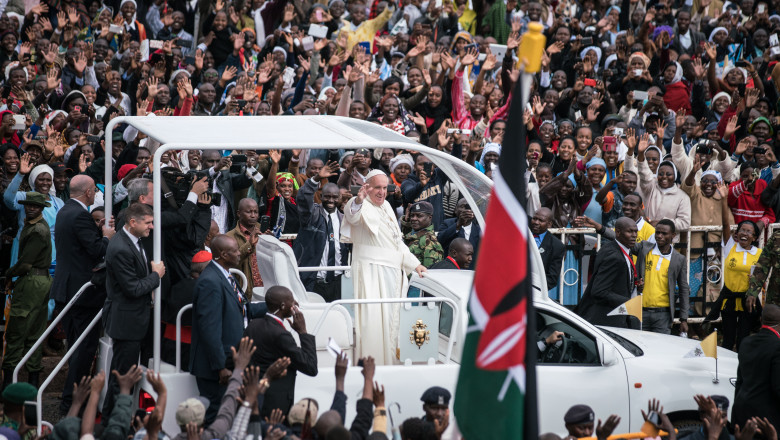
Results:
596 161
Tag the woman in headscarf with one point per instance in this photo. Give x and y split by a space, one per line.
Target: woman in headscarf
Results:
718 106
490 155
280 199
132 27
593 54
40 179
677 94
706 210
436 108
400 168
637 78
663 199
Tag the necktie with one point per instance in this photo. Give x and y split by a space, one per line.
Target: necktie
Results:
143 254
330 275
237 291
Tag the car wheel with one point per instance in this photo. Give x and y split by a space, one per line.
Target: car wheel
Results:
685 426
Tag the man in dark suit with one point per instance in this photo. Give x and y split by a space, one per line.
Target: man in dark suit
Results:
550 247
226 183
318 237
757 391
184 228
613 279
130 282
273 341
81 246
460 257
220 314
463 226
686 40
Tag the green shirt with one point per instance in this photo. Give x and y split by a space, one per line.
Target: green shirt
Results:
424 245
34 247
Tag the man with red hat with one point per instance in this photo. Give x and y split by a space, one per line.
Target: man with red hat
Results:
181 295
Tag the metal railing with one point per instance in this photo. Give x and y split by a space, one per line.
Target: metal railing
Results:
684 247
178 335
58 367
48 330
563 232
437 299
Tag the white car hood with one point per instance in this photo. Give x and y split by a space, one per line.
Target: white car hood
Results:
656 344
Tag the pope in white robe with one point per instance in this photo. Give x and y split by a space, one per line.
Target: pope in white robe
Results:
380 265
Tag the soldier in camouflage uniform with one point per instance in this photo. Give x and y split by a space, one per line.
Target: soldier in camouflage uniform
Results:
770 258
422 240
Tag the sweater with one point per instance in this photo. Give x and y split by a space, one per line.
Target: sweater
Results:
748 206
671 203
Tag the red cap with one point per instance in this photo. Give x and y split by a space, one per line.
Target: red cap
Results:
124 169
201 257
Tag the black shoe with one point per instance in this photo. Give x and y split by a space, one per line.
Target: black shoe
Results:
32 378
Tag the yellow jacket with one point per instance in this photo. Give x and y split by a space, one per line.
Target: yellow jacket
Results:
366 30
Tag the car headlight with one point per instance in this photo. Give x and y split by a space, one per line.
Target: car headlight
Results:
733 381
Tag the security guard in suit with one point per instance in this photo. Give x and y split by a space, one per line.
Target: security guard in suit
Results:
26 312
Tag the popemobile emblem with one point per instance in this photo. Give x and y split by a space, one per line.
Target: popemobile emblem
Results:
420 335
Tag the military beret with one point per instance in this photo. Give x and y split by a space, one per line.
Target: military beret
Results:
722 402
436 395
579 414
19 392
424 207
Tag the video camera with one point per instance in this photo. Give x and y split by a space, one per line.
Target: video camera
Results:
177 185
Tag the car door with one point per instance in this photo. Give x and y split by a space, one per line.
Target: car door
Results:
586 370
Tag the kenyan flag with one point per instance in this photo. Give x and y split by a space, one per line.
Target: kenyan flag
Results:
496 393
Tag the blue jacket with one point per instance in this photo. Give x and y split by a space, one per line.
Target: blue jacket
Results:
217 323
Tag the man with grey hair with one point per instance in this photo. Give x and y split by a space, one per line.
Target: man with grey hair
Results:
380 265
183 228
81 247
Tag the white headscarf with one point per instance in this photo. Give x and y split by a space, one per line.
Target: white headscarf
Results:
730 67
401 158
42 169
713 173
130 25
716 30
677 74
596 49
490 147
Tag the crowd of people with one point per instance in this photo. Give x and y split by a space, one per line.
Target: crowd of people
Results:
648 118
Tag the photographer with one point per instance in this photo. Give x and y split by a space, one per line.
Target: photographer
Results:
224 181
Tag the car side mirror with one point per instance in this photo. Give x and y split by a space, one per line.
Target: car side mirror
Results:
609 356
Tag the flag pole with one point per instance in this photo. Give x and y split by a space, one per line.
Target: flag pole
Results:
716 372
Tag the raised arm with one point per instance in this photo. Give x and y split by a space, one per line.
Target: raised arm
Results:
270 184
724 211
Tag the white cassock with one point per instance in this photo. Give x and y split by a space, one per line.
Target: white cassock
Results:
380 264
